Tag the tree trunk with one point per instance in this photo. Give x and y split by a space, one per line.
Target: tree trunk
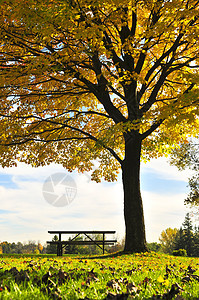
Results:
133 210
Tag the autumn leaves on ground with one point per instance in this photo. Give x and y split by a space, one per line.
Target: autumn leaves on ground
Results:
136 276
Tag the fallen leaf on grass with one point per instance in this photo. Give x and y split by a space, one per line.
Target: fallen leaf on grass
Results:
32 264
36 280
92 276
22 276
53 294
129 272
19 276
52 290
160 279
114 285
131 288
62 277
14 271
175 289
46 276
191 270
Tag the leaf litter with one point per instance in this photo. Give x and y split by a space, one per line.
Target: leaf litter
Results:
55 277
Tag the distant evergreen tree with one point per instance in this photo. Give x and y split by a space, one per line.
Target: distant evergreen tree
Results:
179 242
52 249
196 242
188 235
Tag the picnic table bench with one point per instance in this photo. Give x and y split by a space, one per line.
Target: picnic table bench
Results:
90 240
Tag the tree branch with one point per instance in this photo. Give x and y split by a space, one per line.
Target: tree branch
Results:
86 135
152 128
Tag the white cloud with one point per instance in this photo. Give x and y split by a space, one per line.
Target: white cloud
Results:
164 170
95 207
161 212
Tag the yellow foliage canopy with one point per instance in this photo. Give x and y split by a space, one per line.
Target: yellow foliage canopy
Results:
79 78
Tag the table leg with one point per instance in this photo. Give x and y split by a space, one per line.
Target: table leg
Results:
103 241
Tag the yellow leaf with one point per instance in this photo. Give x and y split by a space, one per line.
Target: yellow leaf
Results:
160 279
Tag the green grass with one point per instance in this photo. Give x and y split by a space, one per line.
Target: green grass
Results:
136 276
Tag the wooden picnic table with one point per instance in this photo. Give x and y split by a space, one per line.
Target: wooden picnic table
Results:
90 241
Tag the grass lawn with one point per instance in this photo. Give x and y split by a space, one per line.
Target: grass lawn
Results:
136 276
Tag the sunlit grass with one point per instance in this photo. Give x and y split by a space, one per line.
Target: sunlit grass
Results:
135 276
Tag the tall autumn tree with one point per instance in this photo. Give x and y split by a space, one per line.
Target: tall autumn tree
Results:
168 239
98 79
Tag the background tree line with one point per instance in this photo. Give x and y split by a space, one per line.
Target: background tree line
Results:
187 238
22 248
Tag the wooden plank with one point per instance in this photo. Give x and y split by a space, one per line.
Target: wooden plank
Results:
82 242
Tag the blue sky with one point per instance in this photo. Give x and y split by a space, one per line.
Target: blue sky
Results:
26 215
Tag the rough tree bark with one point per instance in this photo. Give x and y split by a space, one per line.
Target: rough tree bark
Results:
133 209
